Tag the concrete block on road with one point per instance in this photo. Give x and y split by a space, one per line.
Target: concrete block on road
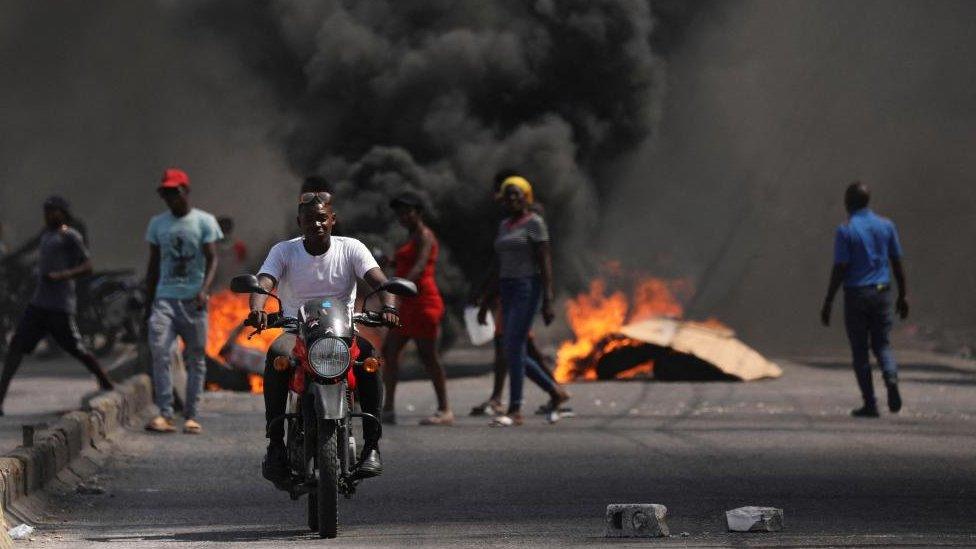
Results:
755 519
636 520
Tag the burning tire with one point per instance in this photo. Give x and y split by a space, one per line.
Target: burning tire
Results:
327 492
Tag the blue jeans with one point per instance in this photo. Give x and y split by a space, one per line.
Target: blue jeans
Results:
868 318
520 302
171 318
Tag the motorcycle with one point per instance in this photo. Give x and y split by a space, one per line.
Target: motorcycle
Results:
110 307
319 438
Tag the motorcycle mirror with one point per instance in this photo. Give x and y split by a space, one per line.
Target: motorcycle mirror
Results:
400 286
246 284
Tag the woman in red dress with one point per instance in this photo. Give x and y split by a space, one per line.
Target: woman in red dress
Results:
421 315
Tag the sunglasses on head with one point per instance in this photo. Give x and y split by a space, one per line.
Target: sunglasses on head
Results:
306 198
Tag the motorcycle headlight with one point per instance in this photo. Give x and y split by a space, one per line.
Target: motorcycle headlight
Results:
329 357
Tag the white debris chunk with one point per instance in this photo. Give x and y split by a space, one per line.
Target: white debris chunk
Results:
755 519
22 531
637 520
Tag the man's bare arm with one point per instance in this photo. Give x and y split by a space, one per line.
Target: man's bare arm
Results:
81 269
152 274
210 255
256 302
901 305
376 278
836 279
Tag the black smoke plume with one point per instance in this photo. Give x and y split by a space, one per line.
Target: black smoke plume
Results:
436 96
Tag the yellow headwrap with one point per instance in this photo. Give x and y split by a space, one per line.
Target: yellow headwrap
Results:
521 184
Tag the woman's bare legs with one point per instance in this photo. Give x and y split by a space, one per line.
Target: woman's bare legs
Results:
427 349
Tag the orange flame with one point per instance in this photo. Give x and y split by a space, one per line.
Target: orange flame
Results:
257 383
641 370
595 316
227 311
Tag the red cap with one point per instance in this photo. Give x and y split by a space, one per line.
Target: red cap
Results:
173 178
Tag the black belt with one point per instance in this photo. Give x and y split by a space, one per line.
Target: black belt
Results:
876 287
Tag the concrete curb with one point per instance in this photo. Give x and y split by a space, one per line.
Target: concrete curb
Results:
26 470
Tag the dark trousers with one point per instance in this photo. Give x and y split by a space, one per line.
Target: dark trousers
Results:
369 389
868 318
34 326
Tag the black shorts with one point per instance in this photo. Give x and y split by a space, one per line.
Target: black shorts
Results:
37 323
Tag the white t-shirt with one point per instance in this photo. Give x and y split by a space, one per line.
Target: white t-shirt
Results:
302 276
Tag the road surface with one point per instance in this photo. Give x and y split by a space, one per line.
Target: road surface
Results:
698 448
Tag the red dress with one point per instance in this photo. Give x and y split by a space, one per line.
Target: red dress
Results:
421 315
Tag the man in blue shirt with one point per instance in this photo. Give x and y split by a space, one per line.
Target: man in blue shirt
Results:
182 264
863 249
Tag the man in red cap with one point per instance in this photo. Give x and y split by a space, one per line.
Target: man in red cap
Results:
182 264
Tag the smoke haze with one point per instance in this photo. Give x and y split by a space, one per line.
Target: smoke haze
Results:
709 140
437 96
99 97
773 108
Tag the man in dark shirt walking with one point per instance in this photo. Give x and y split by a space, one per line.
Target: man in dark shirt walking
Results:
863 249
62 258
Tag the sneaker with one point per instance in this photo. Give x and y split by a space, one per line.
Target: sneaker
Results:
509 420
160 424
192 427
439 418
552 416
865 411
894 397
488 408
275 464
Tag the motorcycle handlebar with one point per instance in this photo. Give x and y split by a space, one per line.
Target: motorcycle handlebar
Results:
275 320
370 318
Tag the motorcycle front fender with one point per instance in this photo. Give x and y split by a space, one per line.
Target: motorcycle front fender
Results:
330 399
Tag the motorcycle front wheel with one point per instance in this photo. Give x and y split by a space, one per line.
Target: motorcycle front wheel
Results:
327 492
310 452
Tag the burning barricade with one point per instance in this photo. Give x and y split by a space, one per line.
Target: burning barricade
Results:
619 339
234 362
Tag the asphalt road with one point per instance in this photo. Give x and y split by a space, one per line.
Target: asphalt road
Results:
700 449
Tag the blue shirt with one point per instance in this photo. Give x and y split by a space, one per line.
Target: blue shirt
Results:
182 266
865 243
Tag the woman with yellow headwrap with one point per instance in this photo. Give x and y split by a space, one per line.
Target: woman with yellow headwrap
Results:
522 275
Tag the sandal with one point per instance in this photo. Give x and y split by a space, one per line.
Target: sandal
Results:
160 424
439 418
192 427
488 408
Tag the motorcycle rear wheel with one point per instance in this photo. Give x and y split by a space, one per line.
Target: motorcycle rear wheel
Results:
328 486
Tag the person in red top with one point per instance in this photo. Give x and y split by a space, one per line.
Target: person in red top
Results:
421 315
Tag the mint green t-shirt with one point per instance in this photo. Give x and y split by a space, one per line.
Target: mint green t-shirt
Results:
182 266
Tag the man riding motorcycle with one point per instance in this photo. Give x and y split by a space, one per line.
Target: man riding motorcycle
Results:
314 265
